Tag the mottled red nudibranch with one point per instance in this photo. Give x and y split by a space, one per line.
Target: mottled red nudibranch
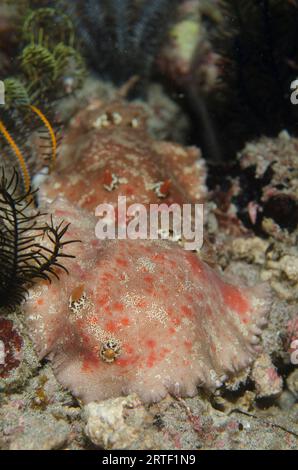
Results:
141 316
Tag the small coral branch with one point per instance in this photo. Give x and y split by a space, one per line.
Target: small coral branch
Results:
23 259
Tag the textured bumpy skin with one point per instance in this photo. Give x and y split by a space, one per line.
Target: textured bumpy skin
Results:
107 153
175 323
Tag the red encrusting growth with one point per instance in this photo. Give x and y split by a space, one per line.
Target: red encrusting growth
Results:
11 345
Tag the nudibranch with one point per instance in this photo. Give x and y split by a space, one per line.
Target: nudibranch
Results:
141 316
107 152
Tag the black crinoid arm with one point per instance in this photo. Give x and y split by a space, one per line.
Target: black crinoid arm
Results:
23 259
122 37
